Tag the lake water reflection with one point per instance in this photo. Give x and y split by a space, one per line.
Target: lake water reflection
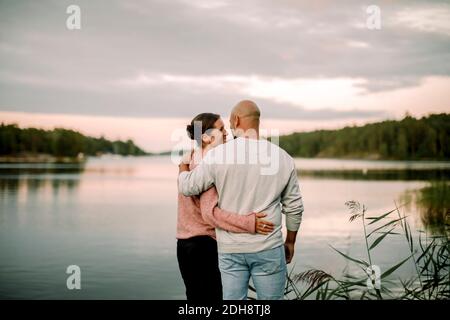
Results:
116 219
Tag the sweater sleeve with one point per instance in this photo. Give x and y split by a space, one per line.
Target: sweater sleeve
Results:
222 219
292 203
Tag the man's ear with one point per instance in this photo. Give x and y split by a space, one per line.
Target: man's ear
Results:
237 121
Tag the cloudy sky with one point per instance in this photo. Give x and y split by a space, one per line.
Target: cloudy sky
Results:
142 69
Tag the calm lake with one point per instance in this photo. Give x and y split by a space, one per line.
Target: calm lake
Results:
116 219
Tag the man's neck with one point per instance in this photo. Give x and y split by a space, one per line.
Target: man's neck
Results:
249 134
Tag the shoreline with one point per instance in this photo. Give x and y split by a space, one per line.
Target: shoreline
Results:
81 159
42 159
49 159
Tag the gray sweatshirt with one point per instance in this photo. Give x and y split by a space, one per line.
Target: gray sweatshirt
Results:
250 176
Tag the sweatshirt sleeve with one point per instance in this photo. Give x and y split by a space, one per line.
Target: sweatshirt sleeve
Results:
194 182
222 219
292 203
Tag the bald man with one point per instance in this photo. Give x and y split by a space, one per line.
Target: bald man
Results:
244 119
250 175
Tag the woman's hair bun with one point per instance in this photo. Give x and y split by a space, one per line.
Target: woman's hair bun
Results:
190 131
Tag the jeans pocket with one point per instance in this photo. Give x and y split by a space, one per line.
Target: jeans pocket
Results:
272 261
229 262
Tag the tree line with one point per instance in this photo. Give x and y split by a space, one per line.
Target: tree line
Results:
426 138
59 142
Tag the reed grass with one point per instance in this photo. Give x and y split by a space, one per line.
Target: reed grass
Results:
429 254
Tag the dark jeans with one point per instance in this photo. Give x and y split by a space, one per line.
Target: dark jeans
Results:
199 266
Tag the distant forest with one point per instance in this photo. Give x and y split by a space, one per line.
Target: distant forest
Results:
59 142
427 138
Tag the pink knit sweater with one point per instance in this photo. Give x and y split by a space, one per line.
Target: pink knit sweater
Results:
198 216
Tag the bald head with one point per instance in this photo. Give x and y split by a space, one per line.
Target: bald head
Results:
245 117
246 108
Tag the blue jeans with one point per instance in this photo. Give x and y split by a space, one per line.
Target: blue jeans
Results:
267 269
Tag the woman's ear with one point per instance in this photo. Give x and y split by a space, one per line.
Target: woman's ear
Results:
206 139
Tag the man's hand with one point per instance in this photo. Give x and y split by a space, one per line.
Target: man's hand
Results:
289 245
187 156
182 167
289 251
185 160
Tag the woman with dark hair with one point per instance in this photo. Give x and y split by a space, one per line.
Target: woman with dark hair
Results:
198 216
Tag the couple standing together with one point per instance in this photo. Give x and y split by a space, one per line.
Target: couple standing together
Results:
230 208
